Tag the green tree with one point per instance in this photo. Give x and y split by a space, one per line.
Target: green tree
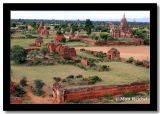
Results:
104 36
18 54
19 91
13 25
88 26
74 27
34 25
38 87
23 82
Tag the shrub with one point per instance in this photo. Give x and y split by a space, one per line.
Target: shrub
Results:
18 54
70 77
19 91
95 78
63 40
138 63
23 82
105 68
57 79
79 76
129 94
37 92
38 87
130 60
102 68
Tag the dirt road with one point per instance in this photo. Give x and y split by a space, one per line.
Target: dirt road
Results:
138 52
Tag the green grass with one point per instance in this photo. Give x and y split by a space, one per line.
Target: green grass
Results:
83 54
121 73
77 44
25 42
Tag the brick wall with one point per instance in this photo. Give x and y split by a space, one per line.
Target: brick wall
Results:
97 91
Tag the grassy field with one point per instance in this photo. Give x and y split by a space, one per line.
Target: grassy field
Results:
121 73
77 44
86 55
26 42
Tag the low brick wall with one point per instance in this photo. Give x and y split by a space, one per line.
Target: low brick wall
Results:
99 91
101 43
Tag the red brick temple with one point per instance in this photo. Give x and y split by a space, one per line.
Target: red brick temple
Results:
123 30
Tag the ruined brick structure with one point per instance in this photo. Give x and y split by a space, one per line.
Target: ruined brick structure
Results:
84 62
113 54
58 38
12 87
61 94
42 29
38 41
64 51
58 93
123 30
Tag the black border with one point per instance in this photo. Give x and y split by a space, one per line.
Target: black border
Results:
152 7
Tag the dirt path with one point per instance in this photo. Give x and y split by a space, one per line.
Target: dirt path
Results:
38 99
138 52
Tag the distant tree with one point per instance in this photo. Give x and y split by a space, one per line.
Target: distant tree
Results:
59 32
74 27
13 24
23 82
34 25
18 54
104 36
63 40
88 26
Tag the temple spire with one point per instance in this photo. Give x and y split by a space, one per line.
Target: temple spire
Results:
124 16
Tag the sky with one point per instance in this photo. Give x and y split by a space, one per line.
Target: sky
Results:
82 15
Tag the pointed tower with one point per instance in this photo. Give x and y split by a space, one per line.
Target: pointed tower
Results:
123 27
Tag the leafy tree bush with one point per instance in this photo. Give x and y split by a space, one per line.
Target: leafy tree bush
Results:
88 26
23 82
38 87
146 41
138 63
105 36
13 25
19 91
18 54
70 77
79 76
95 78
59 32
130 60
57 79
63 40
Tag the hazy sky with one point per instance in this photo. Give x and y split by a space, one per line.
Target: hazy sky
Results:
82 15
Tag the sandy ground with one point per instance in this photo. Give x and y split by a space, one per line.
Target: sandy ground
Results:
38 99
138 52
